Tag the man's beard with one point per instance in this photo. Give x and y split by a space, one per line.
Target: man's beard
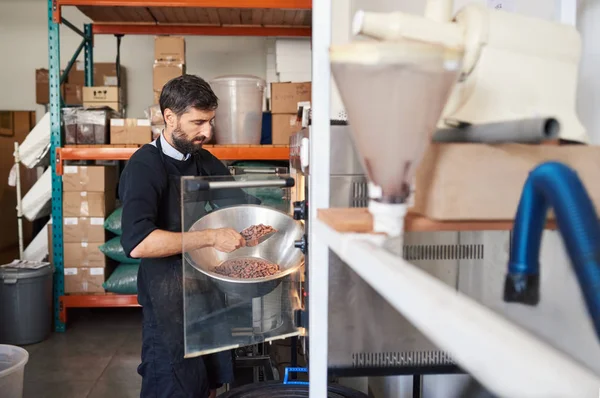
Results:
185 146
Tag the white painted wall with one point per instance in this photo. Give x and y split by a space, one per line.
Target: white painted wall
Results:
24 41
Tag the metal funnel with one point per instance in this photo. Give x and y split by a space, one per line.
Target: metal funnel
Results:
394 94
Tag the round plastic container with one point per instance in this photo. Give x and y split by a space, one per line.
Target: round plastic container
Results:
238 118
12 369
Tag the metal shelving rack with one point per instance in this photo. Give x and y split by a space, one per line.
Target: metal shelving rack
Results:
283 18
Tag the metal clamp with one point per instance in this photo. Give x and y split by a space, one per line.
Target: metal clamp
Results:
297 370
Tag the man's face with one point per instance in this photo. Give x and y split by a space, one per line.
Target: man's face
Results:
191 129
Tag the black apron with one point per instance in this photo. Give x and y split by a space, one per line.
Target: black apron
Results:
160 287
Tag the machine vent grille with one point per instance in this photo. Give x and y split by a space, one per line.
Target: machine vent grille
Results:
393 359
360 194
443 252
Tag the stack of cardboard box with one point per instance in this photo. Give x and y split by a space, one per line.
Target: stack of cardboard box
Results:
284 109
88 198
105 74
169 61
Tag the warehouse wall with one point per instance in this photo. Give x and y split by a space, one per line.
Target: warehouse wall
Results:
24 41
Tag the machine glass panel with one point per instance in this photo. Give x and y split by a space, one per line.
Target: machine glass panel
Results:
249 295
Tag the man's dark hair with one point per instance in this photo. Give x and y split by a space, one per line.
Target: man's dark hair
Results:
185 92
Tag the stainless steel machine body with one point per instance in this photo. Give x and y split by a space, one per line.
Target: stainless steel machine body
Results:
369 337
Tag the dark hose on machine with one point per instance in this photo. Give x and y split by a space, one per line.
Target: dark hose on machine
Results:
526 131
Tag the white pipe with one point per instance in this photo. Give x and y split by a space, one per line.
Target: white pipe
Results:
439 10
19 206
507 360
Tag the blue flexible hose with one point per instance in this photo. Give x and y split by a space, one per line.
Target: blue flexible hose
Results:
555 185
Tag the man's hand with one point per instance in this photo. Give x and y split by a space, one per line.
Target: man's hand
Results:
228 240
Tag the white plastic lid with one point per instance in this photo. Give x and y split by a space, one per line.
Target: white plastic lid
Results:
234 80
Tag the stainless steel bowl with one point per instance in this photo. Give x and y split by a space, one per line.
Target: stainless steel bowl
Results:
278 249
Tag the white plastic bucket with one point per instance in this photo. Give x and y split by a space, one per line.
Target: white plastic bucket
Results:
238 118
12 369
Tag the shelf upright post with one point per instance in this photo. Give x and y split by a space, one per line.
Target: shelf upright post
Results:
55 142
318 253
89 55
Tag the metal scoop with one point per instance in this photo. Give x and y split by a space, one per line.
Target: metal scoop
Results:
258 241
256 229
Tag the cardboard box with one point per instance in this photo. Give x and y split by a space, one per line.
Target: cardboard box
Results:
102 96
83 229
165 71
89 178
169 48
73 94
156 97
105 74
285 96
42 86
282 127
130 131
484 182
84 280
84 254
88 204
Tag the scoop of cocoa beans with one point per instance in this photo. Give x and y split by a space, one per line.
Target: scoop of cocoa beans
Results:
247 268
254 232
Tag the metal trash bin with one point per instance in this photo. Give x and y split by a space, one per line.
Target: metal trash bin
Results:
25 305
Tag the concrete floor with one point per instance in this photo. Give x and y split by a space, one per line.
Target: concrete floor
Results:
97 357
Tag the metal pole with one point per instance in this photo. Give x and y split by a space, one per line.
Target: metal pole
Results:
318 180
72 61
19 207
55 142
89 55
73 27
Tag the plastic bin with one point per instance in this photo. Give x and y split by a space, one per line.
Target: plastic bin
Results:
12 366
25 305
238 119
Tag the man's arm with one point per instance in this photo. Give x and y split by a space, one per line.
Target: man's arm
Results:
161 243
140 189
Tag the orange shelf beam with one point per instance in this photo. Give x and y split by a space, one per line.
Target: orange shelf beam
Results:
272 4
95 301
221 152
268 4
196 30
